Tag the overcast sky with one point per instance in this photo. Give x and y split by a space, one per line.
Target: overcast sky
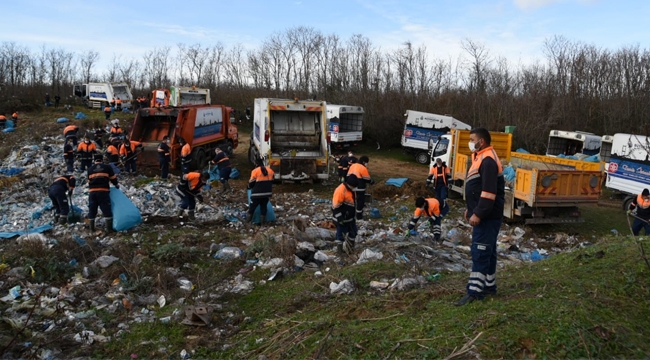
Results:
515 29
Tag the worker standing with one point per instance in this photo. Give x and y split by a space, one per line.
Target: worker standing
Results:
186 156
118 104
439 175
485 196
129 155
57 99
99 177
343 211
427 207
86 150
360 170
261 186
113 152
68 155
223 165
640 208
14 118
107 111
116 132
70 132
189 189
164 157
344 165
59 192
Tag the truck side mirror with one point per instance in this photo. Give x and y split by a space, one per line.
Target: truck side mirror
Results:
431 144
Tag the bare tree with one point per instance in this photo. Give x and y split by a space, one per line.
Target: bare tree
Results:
87 62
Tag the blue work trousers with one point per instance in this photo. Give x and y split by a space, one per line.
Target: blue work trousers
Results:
59 200
224 174
101 200
639 224
484 258
350 229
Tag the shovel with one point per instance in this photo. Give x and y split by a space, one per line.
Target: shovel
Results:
73 217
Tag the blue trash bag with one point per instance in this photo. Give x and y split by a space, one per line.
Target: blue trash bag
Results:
234 173
9 124
80 116
374 213
592 158
509 173
116 170
8 130
523 151
62 120
11 171
125 214
214 175
126 110
270 214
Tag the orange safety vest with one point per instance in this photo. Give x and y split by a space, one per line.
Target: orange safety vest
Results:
107 109
477 160
116 130
433 209
342 196
3 118
361 172
70 128
642 203
127 152
14 115
434 171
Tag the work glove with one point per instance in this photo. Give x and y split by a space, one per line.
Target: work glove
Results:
629 212
199 198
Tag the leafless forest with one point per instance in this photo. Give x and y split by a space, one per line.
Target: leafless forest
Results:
576 86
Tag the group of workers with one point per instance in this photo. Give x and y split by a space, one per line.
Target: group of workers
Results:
3 120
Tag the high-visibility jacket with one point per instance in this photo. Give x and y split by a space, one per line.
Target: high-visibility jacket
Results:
118 102
431 208
343 205
99 176
3 118
14 116
191 182
186 154
642 207
221 160
113 154
438 175
362 174
116 130
86 151
66 182
107 109
261 185
485 185
128 149
70 130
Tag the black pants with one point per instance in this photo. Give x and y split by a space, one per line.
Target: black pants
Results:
59 200
102 200
108 115
74 139
70 165
164 168
261 201
100 144
86 163
360 200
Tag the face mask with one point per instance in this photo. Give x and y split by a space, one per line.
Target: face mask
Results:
472 147
87 141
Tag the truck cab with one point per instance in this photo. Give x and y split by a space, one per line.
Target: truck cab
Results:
573 143
421 127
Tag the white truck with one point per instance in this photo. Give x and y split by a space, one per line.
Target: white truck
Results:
96 95
345 125
290 137
573 143
188 96
421 127
628 171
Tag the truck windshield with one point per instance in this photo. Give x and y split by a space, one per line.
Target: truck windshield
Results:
440 148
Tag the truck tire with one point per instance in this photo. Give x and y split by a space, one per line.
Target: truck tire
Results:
422 158
199 159
228 148
626 202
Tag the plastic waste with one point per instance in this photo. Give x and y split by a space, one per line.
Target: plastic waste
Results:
369 255
270 213
79 240
537 256
80 116
128 215
8 130
228 252
433 277
344 287
104 261
509 173
234 173
374 213
523 151
62 120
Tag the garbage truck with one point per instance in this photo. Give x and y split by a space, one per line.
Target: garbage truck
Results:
628 171
179 96
420 127
345 125
204 127
96 95
578 144
290 137
539 189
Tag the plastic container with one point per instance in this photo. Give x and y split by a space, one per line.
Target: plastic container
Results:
228 253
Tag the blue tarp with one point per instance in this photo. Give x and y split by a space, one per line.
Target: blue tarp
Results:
398 182
509 173
62 120
9 124
570 157
523 151
11 171
214 174
116 170
40 229
592 158
234 174
80 116
125 214
8 130
270 214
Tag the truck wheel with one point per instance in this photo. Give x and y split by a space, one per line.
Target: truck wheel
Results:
422 158
251 155
228 148
626 202
199 159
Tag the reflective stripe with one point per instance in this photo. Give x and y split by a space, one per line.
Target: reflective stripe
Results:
476 282
472 177
92 176
261 194
99 189
488 195
490 283
474 288
477 275
491 277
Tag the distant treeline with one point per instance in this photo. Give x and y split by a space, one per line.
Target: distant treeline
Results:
575 87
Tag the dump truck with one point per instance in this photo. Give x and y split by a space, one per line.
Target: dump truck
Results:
628 171
539 189
345 125
290 137
420 127
179 96
204 127
96 95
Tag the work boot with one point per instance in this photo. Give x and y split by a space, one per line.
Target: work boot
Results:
249 217
180 213
91 224
56 218
226 188
109 225
190 215
63 220
466 300
262 220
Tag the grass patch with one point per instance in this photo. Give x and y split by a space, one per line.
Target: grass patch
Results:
142 182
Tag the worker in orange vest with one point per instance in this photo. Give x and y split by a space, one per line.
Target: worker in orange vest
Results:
118 104
261 186
14 118
360 170
189 190
186 156
70 132
107 111
113 152
86 151
3 121
129 155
